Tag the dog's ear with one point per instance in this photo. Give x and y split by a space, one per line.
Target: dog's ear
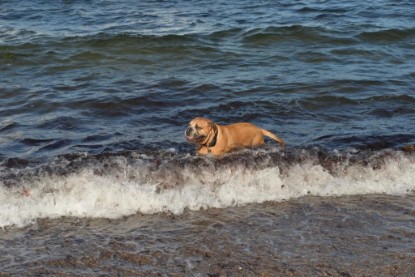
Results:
213 126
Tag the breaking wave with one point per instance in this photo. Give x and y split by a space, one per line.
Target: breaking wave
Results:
116 185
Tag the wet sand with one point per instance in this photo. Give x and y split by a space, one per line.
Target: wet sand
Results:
312 236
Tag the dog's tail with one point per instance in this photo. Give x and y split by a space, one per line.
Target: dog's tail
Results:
272 136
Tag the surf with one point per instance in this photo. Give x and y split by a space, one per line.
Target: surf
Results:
116 185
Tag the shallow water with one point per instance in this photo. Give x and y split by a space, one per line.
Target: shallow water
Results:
348 236
97 178
262 212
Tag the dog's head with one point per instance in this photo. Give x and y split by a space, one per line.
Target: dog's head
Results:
201 130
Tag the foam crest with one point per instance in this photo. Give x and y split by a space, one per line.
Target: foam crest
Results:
116 186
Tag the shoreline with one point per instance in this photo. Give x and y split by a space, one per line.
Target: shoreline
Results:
339 236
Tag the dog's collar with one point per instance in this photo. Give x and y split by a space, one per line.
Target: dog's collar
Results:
213 142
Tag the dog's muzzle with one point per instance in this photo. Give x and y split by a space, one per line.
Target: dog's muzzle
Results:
193 136
189 132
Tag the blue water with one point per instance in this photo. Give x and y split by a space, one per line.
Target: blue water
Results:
109 76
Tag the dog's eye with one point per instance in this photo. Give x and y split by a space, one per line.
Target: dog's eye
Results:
198 128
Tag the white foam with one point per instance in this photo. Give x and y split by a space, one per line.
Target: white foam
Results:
135 188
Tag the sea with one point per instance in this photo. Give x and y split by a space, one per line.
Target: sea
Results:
97 178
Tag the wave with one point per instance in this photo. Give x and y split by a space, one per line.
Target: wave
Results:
131 42
140 48
128 41
116 185
303 33
105 39
388 35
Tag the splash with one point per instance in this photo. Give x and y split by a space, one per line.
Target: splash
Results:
116 185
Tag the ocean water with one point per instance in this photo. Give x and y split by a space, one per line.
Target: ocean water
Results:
96 177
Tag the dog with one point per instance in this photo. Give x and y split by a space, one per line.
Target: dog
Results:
215 139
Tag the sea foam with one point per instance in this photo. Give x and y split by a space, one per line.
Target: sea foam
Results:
120 185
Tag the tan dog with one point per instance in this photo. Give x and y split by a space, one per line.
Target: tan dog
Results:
210 137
